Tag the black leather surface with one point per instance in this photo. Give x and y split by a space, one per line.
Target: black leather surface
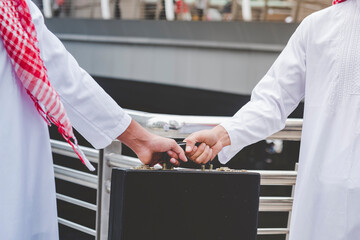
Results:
178 204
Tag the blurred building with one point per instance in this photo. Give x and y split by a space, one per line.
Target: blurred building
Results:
229 10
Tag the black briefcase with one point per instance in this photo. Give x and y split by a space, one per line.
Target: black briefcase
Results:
183 205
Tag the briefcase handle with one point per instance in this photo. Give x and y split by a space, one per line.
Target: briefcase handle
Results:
165 158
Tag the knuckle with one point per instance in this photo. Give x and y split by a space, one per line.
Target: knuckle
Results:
189 138
192 159
196 155
204 161
202 146
198 161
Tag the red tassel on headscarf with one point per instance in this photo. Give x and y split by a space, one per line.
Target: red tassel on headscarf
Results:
338 1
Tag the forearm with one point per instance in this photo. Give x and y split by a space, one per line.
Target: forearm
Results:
264 115
135 136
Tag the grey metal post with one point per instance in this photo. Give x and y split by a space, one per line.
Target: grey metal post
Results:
47 8
296 11
103 194
235 10
105 9
290 212
158 9
266 9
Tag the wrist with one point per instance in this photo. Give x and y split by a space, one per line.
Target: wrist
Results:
135 136
222 136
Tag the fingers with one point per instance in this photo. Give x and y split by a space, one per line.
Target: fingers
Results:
198 151
205 156
201 154
172 154
174 162
205 136
174 158
178 152
193 151
190 143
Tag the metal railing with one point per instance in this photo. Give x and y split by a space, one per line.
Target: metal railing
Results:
212 10
173 126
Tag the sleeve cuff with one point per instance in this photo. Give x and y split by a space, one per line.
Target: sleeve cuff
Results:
100 143
228 152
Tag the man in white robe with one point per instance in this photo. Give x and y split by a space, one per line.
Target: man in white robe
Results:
320 63
27 187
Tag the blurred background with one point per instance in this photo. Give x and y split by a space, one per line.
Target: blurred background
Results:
185 10
185 57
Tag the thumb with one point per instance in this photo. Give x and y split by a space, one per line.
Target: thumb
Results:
190 142
177 149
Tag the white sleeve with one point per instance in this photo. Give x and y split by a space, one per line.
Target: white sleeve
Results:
91 110
272 100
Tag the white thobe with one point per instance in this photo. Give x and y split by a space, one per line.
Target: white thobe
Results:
27 187
321 62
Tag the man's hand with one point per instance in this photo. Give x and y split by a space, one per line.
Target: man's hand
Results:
152 150
212 141
149 147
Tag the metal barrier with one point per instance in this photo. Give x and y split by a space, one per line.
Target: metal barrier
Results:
174 126
184 10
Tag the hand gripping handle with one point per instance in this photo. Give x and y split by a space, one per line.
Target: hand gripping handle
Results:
165 158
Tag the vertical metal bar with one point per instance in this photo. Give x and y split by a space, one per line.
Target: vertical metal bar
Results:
235 10
292 195
266 9
105 9
47 8
158 9
246 10
169 10
297 10
103 194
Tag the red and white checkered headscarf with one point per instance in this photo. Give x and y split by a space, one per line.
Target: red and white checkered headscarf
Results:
338 1
19 38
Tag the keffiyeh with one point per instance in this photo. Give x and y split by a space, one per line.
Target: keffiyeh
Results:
20 41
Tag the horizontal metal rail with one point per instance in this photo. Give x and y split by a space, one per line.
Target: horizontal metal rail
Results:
272 231
179 126
63 148
76 226
171 42
76 202
115 160
271 177
77 177
275 204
